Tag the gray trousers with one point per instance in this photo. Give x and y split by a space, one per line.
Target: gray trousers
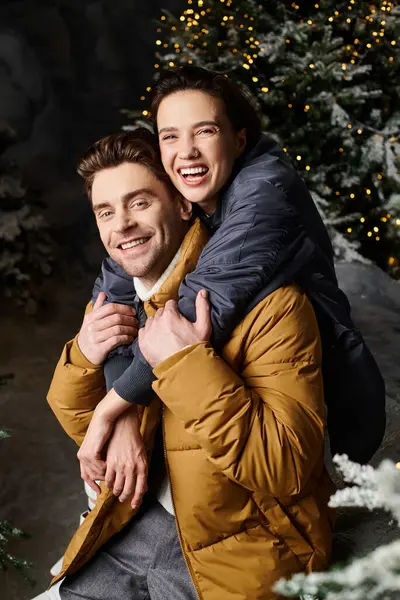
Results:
144 561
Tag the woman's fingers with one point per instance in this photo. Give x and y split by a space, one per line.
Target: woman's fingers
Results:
140 489
129 487
119 484
89 478
115 332
110 476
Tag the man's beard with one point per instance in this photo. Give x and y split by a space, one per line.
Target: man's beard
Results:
135 267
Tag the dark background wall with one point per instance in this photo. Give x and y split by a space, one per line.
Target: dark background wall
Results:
67 67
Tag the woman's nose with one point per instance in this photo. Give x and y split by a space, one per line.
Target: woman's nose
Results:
187 149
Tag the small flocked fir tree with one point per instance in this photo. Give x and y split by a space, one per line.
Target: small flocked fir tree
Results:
375 576
326 77
7 530
25 244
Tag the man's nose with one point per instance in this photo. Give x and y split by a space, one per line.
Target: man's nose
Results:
123 220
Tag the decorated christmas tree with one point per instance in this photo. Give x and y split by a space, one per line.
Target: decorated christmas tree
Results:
326 78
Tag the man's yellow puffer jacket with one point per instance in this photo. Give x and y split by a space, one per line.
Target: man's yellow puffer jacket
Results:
244 439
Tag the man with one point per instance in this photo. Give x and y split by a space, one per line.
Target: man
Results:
244 502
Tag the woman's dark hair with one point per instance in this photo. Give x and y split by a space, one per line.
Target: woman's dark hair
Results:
240 108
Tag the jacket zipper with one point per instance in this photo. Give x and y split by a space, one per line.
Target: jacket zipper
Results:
188 565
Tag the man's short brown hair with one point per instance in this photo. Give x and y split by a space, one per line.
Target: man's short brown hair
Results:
137 146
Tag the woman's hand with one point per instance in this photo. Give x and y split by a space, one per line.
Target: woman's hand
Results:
127 467
168 331
92 465
106 327
107 412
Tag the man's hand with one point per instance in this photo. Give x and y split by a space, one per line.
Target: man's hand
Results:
168 331
105 328
126 460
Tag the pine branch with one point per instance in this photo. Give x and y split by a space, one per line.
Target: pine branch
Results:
375 576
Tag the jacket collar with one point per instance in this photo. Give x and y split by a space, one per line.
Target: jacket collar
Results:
192 246
145 294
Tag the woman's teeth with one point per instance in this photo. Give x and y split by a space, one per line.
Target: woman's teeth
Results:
194 172
134 243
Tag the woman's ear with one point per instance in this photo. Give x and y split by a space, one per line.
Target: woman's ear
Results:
241 141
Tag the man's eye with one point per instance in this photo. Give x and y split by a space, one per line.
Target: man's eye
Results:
105 215
206 131
141 204
170 136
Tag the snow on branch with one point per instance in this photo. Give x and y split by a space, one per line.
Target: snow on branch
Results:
375 576
374 488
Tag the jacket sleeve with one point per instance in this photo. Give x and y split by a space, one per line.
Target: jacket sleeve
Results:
76 389
115 282
261 241
264 428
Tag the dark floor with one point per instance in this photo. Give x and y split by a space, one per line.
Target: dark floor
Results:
40 487
41 490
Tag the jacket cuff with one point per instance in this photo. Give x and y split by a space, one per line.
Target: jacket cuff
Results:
77 358
134 385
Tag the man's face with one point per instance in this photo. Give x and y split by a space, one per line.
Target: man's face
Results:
141 223
198 145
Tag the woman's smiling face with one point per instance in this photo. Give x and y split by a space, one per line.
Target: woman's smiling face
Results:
198 145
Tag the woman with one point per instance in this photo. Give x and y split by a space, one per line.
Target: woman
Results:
267 232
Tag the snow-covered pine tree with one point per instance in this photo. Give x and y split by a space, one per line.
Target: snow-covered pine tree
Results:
375 576
25 244
327 79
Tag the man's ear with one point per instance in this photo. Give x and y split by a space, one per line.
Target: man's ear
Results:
185 208
241 141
